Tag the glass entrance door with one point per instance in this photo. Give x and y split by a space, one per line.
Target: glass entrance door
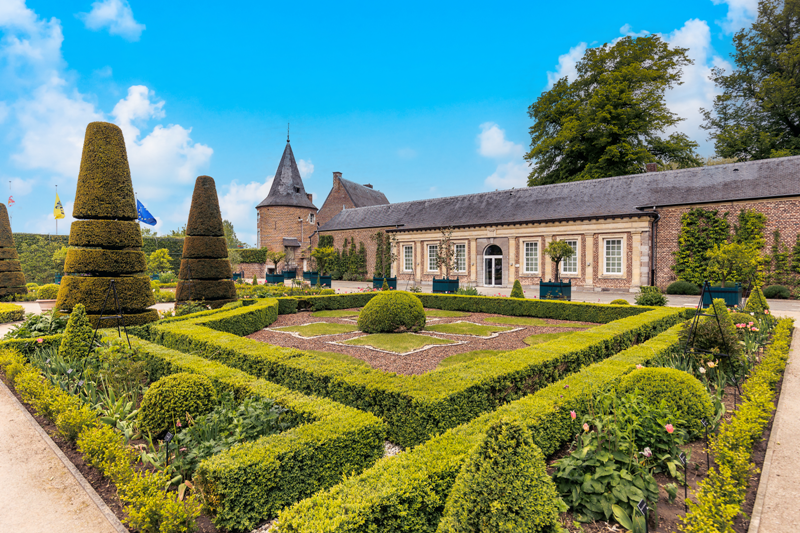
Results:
493 266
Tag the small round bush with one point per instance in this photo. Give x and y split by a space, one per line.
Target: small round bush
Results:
683 287
684 394
171 397
392 312
47 292
777 291
650 296
742 318
619 301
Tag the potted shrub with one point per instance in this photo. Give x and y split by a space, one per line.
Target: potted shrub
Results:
46 296
384 259
557 251
446 258
325 258
275 258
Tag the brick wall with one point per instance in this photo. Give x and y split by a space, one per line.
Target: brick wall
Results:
277 222
337 198
361 235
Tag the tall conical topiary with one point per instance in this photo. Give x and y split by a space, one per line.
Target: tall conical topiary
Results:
205 269
77 336
105 240
12 280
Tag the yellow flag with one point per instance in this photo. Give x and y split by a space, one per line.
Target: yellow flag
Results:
58 210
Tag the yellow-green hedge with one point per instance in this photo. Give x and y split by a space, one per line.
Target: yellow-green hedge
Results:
204 247
134 293
10 265
131 319
11 313
6 236
82 261
205 218
205 269
205 290
105 234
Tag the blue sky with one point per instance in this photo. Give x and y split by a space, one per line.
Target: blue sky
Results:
420 99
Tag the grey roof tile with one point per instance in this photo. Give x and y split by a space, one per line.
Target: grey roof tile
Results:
287 186
291 242
363 196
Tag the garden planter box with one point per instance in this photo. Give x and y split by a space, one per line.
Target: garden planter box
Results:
377 283
324 281
59 276
237 276
731 295
46 305
310 276
444 285
555 290
289 274
274 278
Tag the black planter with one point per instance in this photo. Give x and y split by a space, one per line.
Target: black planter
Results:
324 281
555 290
275 278
289 274
377 283
310 276
731 295
445 285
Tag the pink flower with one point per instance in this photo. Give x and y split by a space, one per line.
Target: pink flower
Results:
766 311
669 428
178 423
639 367
40 340
573 414
750 323
586 427
566 386
754 328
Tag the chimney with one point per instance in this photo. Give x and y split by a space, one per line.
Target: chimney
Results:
310 197
336 177
651 167
368 185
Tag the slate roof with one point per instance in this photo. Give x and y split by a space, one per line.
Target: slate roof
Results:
287 186
617 196
363 196
291 242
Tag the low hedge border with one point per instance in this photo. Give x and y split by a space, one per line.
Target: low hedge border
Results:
415 407
720 496
11 313
28 346
407 493
253 481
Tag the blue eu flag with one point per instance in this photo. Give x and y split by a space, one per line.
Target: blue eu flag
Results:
144 214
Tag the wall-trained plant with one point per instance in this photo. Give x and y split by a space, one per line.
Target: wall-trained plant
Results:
12 280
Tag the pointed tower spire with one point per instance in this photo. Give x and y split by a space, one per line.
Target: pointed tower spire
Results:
287 187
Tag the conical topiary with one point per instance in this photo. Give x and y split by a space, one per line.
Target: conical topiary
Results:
205 270
12 280
516 291
77 336
105 243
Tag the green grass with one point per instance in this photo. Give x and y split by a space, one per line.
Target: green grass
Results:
544 337
467 328
339 357
439 313
337 313
468 356
396 342
528 321
320 328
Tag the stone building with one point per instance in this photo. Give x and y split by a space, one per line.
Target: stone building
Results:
624 229
287 217
346 194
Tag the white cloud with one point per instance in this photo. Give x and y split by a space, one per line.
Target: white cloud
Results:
238 206
492 142
136 107
19 187
47 223
306 168
508 175
741 13
116 15
567 65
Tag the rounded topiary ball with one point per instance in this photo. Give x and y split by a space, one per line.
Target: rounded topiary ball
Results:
171 397
392 312
684 394
620 301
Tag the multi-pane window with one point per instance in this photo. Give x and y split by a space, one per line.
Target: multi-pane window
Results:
408 258
461 257
569 265
433 252
613 256
531 257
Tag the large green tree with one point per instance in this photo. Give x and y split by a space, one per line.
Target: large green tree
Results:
757 116
611 120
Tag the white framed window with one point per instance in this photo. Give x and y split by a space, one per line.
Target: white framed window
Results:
569 265
433 252
461 257
408 258
613 256
531 258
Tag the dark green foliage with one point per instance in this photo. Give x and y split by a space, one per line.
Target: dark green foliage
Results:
701 230
104 181
516 291
108 234
253 255
325 241
686 397
173 245
384 254
12 280
77 335
205 219
48 324
168 400
105 262
619 301
650 296
219 269
749 231
683 287
742 318
35 256
780 265
134 294
503 486
204 247
10 265
716 332
207 290
777 292
796 255
392 312
385 286
230 236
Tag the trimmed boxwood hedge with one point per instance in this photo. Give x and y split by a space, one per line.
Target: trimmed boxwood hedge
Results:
407 493
115 234
206 269
12 279
133 291
252 255
28 346
8 253
10 265
204 247
6 236
206 290
82 261
253 481
171 398
205 218
8 291
11 313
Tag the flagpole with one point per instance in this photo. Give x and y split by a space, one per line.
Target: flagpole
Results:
54 213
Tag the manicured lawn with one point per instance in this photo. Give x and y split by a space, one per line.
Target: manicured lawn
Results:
320 328
544 337
396 342
439 313
467 328
468 356
336 313
529 321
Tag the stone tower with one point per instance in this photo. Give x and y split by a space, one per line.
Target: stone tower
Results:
287 217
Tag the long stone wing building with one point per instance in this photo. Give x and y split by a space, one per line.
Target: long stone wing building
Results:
624 229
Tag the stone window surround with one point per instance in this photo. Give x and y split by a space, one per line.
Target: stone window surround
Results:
466 259
409 247
602 238
523 259
577 238
428 256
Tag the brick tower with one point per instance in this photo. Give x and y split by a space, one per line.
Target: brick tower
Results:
287 217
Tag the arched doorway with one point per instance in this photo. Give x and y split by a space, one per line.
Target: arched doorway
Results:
493 266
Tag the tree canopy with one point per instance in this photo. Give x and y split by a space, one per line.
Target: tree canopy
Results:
611 120
757 116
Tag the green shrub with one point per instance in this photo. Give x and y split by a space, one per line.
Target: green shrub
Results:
712 334
385 286
169 399
620 301
650 296
516 291
71 422
502 487
742 318
392 312
11 313
252 255
77 336
686 397
756 302
167 279
683 287
47 292
777 292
